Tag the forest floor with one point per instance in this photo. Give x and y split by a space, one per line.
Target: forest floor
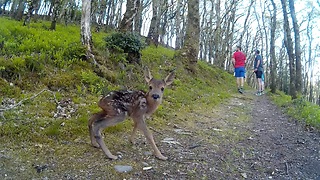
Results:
246 137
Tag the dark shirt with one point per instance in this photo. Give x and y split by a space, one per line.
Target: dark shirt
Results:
260 67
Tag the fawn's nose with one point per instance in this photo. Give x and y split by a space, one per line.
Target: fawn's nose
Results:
155 96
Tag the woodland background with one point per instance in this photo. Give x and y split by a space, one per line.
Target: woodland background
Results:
287 38
58 57
286 32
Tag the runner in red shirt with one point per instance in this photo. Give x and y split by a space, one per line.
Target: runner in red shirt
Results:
239 61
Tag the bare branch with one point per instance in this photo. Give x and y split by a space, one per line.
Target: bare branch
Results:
19 103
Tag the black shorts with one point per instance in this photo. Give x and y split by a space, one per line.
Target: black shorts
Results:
258 74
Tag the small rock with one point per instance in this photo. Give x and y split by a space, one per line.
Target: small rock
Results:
120 155
40 168
148 153
145 164
121 168
244 175
38 145
147 168
216 129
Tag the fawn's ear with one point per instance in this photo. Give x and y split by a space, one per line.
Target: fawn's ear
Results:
147 74
169 79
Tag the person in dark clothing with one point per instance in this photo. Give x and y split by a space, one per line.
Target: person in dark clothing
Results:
258 69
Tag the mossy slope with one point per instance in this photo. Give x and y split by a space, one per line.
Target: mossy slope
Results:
36 132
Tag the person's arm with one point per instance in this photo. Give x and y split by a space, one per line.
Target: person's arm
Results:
233 62
257 66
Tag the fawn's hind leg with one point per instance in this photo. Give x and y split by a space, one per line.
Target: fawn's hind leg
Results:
92 119
101 124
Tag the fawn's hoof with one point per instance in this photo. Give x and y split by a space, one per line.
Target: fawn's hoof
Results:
112 157
96 145
133 142
161 157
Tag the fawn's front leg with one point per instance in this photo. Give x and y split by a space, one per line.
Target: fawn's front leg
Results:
133 134
142 126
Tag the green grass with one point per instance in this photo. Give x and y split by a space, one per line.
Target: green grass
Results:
35 58
299 109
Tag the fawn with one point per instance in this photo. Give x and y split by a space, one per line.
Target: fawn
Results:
118 105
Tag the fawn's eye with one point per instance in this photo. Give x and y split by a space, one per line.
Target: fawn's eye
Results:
162 89
150 87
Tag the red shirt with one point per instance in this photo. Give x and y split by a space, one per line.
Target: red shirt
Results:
240 59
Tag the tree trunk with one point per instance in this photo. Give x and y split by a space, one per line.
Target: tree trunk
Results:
31 5
36 9
163 20
179 24
153 33
289 47
297 47
4 6
245 23
138 17
101 12
188 55
217 37
310 61
126 23
86 37
273 62
13 8
55 13
19 12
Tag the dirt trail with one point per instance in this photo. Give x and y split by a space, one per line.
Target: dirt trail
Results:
281 148
247 137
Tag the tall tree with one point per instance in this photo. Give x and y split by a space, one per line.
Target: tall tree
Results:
3 5
217 36
189 52
126 23
245 23
310 61
138 17
55 13
153 33
86 37
180 23
32 5
273 62
19 12
289 46
297 47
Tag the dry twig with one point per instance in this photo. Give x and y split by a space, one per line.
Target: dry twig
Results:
21 102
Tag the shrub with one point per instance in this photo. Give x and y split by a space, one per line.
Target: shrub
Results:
126 43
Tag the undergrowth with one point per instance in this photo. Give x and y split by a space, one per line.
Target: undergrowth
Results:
35 58
299 109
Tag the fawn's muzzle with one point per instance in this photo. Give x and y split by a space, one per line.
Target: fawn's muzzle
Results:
155 96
